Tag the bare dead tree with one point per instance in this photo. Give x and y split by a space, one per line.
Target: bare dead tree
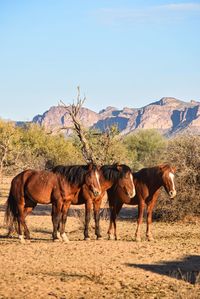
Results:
74 111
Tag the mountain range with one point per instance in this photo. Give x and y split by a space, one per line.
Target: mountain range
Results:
169 116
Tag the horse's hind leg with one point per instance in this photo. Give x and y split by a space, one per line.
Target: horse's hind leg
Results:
21 222
11 229
27 211
139 221
149 219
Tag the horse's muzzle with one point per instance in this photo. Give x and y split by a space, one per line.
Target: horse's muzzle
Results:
172 193
130 194
96 193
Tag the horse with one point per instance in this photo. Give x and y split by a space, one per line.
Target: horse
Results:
58 187
148 183
110 175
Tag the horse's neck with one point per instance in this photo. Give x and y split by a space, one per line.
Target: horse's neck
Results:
74 188
105 184
151 180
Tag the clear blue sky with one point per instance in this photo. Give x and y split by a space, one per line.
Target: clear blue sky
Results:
120 53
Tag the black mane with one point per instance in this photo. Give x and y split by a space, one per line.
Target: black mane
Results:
74 174
149 172
114 172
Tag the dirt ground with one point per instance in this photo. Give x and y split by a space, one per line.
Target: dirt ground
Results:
168 267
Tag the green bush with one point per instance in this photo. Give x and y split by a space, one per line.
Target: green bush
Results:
144 148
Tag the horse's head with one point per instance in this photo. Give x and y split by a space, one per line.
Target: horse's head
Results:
168 179
125 180
92 179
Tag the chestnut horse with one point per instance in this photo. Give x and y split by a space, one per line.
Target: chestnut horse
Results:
110 175
58 187
148 183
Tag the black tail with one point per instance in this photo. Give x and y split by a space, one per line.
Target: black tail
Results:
11 213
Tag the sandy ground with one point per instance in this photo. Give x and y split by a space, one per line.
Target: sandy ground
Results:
168 267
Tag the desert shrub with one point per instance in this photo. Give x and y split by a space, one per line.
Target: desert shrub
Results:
184 153
144 148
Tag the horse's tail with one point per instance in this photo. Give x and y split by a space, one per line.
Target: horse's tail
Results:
11 213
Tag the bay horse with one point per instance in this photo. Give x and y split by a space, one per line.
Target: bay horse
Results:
58 187
110 175
148 183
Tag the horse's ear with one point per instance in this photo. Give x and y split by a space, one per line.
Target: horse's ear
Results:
160 167
164 166
119 167
90 166
173 169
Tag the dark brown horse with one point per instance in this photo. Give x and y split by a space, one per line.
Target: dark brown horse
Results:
58 187
148 183
116 175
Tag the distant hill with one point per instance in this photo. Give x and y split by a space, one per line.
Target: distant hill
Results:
169 115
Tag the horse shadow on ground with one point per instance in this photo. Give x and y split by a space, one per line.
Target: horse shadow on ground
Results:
126 213
187 269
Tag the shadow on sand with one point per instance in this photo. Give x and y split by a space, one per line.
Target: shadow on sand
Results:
187 269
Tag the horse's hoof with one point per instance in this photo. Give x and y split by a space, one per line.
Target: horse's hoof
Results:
99 238
21 239
87 238
138 239
150 239
56 240
59 236
111 237
64 238
66 241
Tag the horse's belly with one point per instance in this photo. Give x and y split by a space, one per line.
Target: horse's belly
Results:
42 197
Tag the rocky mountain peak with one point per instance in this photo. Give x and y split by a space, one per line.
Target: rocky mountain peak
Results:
168 115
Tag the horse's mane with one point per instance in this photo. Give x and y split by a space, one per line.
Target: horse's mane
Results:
149 172
74 174
114 172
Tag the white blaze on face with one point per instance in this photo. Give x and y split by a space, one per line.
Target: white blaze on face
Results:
97 177
131 176
171 175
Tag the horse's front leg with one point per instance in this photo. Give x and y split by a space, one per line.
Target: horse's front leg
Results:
97 205
150 207
65 209
56 218
88 207
139 221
